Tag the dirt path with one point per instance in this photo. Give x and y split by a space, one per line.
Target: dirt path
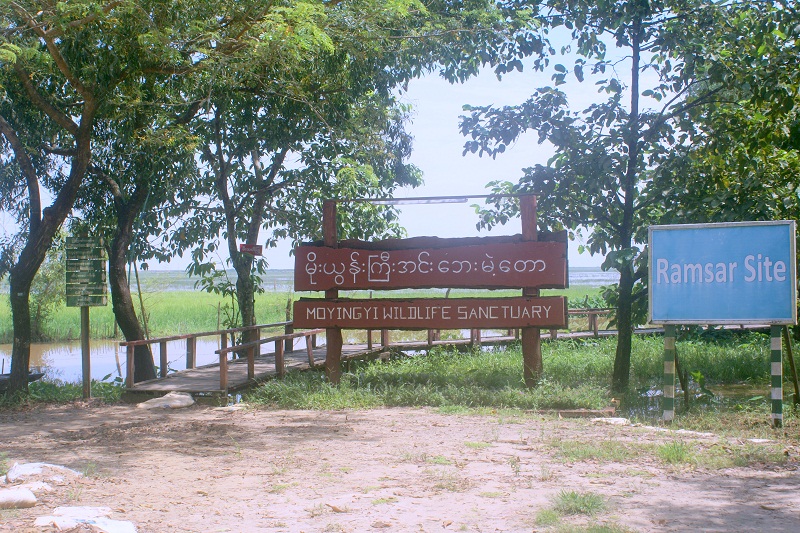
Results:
202 470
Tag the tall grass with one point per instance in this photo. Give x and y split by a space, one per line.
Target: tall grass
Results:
576 375
168 313
177 312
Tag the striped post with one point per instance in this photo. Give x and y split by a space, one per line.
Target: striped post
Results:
776 370
669 372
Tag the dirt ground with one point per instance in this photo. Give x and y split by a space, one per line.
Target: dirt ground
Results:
204 469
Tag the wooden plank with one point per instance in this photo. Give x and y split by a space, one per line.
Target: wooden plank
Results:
491 265
333 335
436 313
531 336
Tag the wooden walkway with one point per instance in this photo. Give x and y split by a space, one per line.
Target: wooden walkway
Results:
251 366
205 380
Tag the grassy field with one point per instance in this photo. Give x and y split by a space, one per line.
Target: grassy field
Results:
174 312
576 375
732 398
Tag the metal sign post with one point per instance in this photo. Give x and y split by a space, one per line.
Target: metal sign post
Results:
86 287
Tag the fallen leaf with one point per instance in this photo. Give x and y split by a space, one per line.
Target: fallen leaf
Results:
336 509
380 524
446 523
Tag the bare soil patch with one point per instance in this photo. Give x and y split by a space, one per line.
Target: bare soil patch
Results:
203 469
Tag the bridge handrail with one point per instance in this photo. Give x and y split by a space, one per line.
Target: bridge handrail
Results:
191 346
251 347
203 334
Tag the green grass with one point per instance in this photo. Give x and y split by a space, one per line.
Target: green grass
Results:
576 375
574 503
61 392
607 451
445 378
169 313
174 312
675 453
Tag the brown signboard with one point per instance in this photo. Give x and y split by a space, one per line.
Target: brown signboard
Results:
433 313
491 264
252 249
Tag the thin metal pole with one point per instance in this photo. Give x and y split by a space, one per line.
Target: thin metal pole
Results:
669 372
85 362
776 370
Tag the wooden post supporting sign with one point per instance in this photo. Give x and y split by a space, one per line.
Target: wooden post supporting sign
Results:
528 261
333 336
531 337
85 287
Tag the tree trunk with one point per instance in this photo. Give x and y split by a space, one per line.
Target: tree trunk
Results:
20 280
622 359
20 286
121 301
245 293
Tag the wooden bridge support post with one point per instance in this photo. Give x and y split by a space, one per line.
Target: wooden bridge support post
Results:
385 338
163 360
333 336
129 366
280 365
531 337
288 329
251 362
191 352
223 371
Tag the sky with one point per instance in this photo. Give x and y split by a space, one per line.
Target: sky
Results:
438 148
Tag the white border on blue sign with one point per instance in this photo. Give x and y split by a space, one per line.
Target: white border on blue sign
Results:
790 319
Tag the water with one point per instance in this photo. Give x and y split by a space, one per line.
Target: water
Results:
592 277
63 360
282 280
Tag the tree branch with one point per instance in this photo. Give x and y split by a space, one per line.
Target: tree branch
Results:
28 170
55 53
58 117
113 185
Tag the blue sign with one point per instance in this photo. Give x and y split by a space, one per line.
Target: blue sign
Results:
730 273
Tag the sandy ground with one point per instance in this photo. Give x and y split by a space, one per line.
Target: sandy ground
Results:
203 469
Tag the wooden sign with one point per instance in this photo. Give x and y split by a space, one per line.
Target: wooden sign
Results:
433 313
87 301
86 272
252 249
492 264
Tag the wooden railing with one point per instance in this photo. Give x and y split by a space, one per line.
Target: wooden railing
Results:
593 315
251 349
191 346
284 342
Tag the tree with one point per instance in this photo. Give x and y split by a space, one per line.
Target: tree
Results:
63 67
283 136
608 154
138 163
744 157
